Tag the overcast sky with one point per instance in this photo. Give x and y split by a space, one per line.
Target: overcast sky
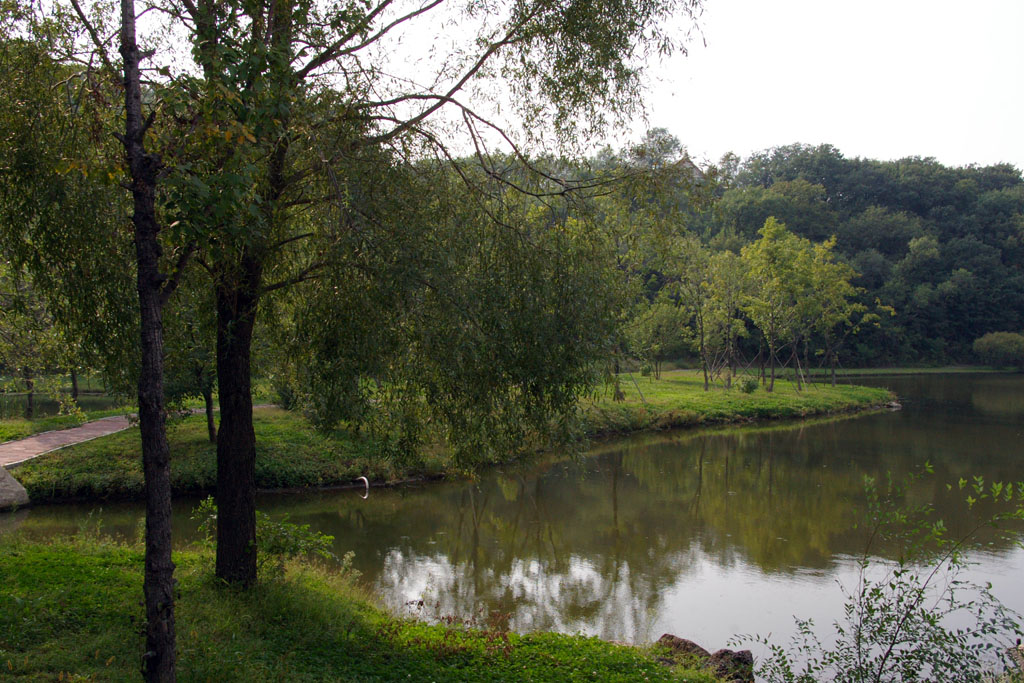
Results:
882 79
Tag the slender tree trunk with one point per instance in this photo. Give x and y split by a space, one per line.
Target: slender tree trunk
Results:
158 662
74 384
832 362
807 364
771 360
237 300
30 394
704 356
211 423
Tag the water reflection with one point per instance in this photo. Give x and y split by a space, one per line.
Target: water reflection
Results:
705 534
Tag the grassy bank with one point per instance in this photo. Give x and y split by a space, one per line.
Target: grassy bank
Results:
69 610
289 453
678 399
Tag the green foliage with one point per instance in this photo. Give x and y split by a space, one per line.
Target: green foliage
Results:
898 619
278 541
749 385
1001 349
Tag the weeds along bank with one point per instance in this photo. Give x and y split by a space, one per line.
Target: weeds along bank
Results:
291 454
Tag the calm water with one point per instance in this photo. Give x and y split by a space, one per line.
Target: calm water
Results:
701 534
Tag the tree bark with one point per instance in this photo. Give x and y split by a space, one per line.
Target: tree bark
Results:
158 662
74 384
237 300
30 394
211 423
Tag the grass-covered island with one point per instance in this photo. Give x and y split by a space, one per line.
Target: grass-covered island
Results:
70 610
291 454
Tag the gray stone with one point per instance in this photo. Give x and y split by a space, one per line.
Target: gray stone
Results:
12 494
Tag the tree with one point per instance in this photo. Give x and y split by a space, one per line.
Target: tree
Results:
779 267
730 285
289 124
658 334
838 314
31 344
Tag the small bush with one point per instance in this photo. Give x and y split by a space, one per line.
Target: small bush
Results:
1001 349
748 385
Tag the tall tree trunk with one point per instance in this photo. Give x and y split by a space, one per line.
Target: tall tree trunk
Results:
158 662
237 300
832 362
795 357
211 423
703 355
30 394
74 384
771 360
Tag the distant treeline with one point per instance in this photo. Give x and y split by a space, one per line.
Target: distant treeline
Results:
943 246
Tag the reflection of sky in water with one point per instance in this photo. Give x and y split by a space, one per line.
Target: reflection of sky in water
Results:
709 603
705 536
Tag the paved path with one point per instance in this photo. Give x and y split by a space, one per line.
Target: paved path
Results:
14 452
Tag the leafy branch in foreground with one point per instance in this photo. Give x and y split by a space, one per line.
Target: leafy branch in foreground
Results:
277 541
916 618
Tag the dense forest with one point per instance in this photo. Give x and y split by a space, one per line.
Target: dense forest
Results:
932 254
941 245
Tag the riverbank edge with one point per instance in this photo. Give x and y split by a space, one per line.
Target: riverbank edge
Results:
601 421
72 609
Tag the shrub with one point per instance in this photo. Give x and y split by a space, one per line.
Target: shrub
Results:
748 385
1001 349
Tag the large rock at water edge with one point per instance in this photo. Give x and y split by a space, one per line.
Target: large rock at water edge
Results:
12 494
727 665
682 646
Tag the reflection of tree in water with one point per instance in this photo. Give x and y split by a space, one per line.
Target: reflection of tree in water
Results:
553 560
595 545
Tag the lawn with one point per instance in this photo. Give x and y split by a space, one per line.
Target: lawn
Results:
678 399
70 610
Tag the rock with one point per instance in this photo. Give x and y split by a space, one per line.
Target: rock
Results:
682 646
12 494
894 405
730 665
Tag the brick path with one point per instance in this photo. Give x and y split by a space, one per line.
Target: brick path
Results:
14 452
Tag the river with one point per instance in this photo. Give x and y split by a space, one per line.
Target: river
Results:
705 534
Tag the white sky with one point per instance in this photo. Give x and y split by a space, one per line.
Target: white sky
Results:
881 79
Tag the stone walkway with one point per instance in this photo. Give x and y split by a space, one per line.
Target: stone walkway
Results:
14 452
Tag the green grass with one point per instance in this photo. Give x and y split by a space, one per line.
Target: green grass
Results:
70 610
678 399
872 372
289 453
